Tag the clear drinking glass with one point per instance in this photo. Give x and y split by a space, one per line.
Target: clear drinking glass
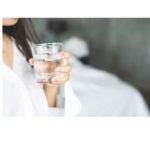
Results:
46 59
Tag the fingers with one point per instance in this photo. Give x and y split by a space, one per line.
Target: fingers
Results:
31 61
63 73
63 69
60 81
65 55
63 76
55 68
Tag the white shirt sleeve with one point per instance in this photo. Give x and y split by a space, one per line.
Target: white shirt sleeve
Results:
16 99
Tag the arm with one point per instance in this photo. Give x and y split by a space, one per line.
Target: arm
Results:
51 94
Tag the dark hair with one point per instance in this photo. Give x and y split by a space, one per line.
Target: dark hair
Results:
22 32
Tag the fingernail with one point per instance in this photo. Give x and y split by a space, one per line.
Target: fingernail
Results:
31 62
59 69
39 81
55 81
61 54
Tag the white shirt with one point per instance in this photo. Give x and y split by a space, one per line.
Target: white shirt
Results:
21 92
99 93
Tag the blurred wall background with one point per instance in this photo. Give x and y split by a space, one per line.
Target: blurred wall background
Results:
117 45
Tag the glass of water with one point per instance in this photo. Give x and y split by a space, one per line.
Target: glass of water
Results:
46 59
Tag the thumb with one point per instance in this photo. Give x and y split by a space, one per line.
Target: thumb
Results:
31 61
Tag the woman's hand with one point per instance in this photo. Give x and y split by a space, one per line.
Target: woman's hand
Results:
51 87
64 69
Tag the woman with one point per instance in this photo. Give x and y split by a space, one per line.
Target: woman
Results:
22 95
100 93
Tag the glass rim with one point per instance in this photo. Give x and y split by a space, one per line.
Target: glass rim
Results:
47 44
